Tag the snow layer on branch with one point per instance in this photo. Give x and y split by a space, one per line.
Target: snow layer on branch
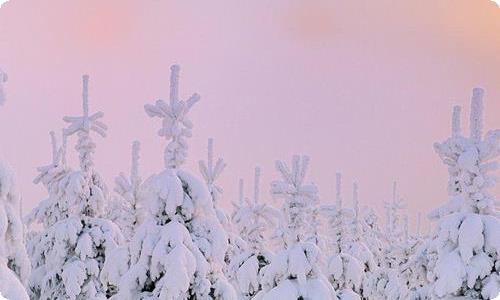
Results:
10 286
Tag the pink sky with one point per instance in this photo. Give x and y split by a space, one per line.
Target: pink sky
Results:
363 87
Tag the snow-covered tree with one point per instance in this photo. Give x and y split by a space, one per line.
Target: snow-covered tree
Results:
3 79
351 258
127 210
14 261
373 235
295 272
74 243
394 226
178 252
55 177
395 245
211 173
251 218
465 251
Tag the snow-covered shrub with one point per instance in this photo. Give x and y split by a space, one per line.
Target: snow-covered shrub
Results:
178 253
68 254
465 251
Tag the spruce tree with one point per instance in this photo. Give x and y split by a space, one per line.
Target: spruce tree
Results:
75 241
178 252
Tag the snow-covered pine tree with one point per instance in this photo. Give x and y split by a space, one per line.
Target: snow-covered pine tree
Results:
3 79
178 253
70 252
386 281
252 218
294 273
465 250
373 234
414 269
54 177
14 261
394 250
394 227
211 173
127 209
348 265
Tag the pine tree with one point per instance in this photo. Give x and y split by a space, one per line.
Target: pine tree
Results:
211 173
127 210
178 253
351 258
294 273
252 218
464 253
75 242
55 177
